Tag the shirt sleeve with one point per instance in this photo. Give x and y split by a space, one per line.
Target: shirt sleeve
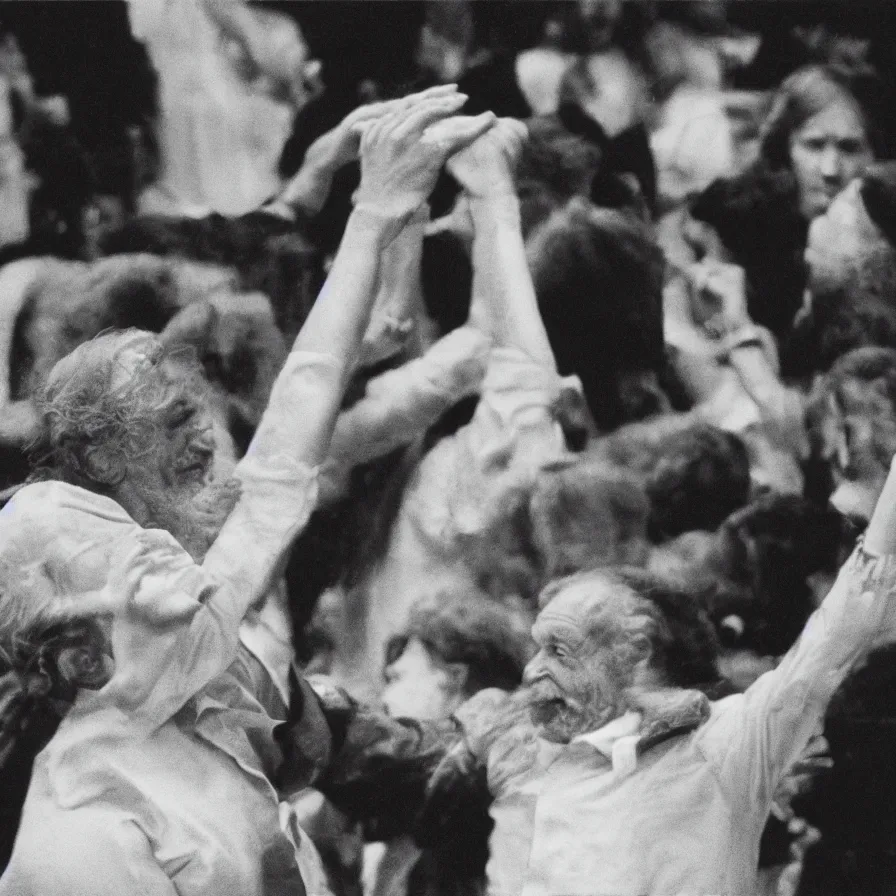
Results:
94 853
279 489
753 738
513 435
399 405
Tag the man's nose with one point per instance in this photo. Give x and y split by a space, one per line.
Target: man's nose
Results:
830 163
203 441
533 669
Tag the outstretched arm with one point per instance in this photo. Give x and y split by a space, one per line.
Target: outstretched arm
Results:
755 737
399 776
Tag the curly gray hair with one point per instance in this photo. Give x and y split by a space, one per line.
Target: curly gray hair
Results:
101 407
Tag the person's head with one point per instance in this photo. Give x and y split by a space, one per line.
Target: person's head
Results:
700 476
451 648
124 418
852 425
554 166
601 17
823 125
760 575
598 277
71 302
588 515
851 248
592 26
56 643
607 636
693 477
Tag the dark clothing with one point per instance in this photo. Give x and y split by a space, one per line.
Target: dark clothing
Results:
493 87
757 218
853 805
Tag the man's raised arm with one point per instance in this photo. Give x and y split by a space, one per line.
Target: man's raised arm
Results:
504 306
398 171
753 738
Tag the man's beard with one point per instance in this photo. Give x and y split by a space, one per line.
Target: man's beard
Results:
558 717
561 716
194 520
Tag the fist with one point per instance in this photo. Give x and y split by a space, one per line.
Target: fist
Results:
718 288
486 166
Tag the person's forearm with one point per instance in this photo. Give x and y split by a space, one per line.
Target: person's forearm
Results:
309 189
295 430
339 318
398 299
504 304
880 536
755 373
401 404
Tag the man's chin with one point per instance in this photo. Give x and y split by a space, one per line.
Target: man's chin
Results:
554 720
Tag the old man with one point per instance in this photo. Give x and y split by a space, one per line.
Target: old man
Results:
611 772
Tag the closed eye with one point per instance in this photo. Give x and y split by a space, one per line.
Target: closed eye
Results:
558 651
181 414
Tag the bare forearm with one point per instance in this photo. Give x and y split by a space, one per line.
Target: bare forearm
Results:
308 191
398 301
880 536
339 318
755 373
504 303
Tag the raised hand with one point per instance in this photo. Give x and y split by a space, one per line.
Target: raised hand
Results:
340 146
400 161
718 290
486 166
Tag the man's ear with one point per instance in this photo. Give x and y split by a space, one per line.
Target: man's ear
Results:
640 653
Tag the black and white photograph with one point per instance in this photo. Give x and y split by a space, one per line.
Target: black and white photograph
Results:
447 447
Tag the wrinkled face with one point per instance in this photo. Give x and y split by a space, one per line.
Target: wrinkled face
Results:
178 485
182 460
577 682
827 152
418 686
837 239
858 439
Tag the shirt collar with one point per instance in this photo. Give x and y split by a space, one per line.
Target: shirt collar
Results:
617 740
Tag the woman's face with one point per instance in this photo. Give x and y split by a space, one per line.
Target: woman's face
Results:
828 151
418 686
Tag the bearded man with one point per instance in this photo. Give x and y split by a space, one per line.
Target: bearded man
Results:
129 446
611 771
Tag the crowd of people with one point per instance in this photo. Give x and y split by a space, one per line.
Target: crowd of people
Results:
474 479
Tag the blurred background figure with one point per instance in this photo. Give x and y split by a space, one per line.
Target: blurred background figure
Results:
230 79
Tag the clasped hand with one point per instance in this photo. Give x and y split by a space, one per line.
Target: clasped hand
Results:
402 152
